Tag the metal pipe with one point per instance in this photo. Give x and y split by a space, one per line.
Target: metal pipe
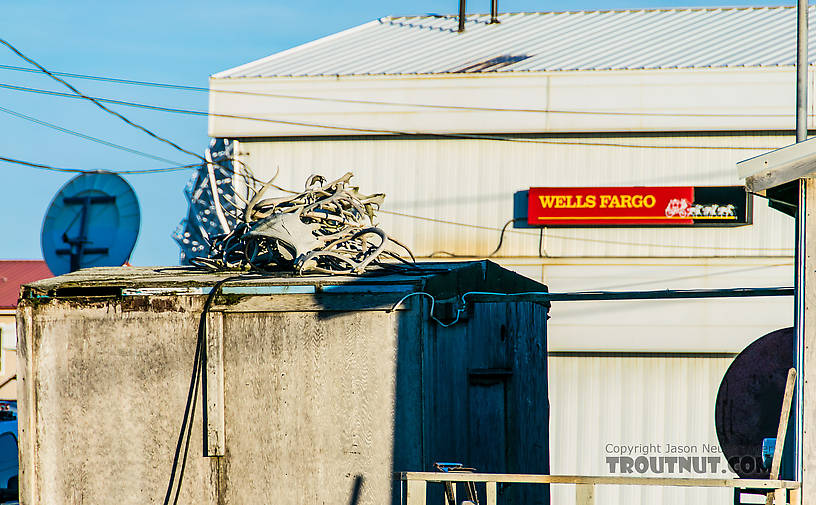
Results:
461 15
662 294
801 70
494 12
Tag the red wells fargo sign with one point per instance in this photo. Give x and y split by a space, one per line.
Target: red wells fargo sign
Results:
638 206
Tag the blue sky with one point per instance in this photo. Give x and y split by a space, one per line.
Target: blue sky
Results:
181 42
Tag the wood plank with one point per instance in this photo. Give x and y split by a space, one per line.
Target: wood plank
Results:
487 344
584 494
795 497
806 432
597 479
782 430
215 385
491 493
415 492
446 373
780 496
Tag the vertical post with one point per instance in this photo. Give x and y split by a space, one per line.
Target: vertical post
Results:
794 497
490 492
461 16
801 69
802 262
806 338
584 494
213 387
415 492
494 11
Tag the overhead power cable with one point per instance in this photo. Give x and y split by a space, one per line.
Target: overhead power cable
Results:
203 89
98 103
82 170
85 136
547 234
173 110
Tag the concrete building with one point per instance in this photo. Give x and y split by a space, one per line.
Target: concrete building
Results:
315 390
13 274
451 125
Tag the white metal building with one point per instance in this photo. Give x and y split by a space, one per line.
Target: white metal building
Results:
450 125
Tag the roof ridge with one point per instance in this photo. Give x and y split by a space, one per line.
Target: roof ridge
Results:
603 11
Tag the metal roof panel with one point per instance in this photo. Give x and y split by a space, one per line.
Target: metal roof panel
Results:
553 41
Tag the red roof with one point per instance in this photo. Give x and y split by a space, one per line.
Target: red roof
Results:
14 273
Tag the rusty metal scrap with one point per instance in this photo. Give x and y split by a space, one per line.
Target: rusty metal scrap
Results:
329 228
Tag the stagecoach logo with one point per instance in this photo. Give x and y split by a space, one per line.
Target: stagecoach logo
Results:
639 206
682 208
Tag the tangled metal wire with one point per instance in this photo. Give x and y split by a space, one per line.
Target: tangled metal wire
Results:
327 228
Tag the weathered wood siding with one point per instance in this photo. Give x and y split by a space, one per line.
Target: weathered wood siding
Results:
488 406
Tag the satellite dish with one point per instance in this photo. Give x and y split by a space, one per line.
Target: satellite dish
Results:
749 402
93 221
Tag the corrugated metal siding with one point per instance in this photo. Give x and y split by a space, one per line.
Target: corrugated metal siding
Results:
460 192
595 401
720 325
584 40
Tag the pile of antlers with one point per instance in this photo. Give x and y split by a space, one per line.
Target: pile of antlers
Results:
327 228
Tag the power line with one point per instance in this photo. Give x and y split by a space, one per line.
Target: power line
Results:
85 136
97 102
183 87
85 171
173 110
580 239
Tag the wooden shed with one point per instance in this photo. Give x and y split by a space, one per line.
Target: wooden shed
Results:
313 389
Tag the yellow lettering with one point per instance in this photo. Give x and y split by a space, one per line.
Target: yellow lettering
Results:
614 203
561 201
649 201
546 200
626 201
591 201
637 201
605 201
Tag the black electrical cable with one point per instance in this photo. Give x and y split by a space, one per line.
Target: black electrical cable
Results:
501 236
97 102
199 363
84 136
52 168
464 136
202 89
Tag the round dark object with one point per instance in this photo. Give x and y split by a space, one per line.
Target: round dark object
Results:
749 401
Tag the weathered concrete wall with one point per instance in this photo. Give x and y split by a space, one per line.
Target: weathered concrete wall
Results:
308 398
309 404
102 392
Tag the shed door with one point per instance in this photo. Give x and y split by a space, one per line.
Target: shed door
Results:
487 421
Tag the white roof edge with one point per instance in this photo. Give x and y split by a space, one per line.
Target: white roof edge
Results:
779 166
226 74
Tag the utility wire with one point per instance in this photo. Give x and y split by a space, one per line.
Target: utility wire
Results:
97 102
84 136
504 230
52 168
376 130
183 87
